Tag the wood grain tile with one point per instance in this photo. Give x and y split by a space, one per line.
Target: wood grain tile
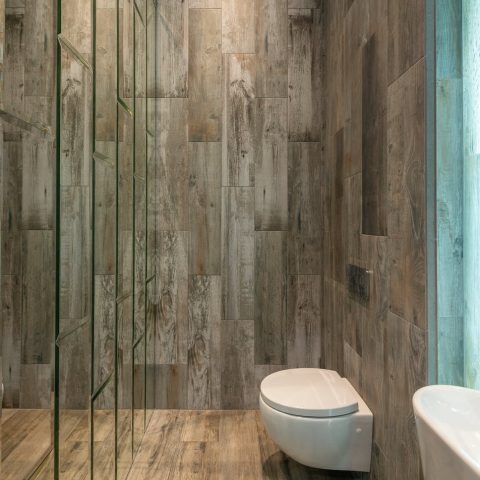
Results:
171 386
304 335
75 252
406 45
172 326
205 3
104 328
305 166
37 296
238 26
271 165
205 75
238 253
271 47
305 75
172 49
406 222
374 145
173 164
237 360
239 120
205 200
271 298
204 318
11 294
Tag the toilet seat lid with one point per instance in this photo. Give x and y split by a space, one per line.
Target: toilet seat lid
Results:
309 392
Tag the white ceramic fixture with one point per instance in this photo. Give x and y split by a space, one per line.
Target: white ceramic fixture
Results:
448 426
317 418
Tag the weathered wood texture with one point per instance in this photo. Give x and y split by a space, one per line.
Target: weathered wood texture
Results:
305 72
213 444
238 204
374 217
205 75
27 264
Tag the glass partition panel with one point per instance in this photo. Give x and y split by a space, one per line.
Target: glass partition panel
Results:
138 393
103 432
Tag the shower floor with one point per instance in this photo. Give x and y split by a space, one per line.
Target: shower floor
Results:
216 445
26 440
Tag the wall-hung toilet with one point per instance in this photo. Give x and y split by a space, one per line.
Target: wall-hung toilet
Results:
317 418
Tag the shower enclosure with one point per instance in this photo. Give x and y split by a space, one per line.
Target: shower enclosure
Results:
78 263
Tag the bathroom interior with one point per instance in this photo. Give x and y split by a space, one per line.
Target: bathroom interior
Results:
239 239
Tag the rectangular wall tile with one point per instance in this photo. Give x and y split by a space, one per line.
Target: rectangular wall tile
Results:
305 75
304 321
406 192
305 166
238 253
238 26
271 298
271 47
75 253
172 48
205 203
205 75
11 308
37 184
35 386
271 165
406 37
304 3
374 144
239 120
38 275
172 323
173 164
204 326
12 206
171 386
238 376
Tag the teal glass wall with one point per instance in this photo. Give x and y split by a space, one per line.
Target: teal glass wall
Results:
458 191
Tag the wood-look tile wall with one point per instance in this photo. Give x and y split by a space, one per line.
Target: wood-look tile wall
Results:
240 158
374 216
27 214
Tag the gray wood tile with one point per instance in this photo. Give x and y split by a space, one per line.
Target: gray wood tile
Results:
305 164
237 360
304 327
238 26
75 253
205 202
271 165
305 75
271 47
11 295
173 164
37 296
172 48
172 326
238 253
205 75
239 120
204 361
271 298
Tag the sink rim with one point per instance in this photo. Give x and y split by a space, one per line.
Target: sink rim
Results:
432 422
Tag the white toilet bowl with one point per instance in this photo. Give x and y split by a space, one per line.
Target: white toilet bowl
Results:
317 418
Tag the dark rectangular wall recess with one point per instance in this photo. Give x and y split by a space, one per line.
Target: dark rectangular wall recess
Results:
374 154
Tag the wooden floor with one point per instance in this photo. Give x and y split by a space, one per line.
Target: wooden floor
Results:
26 440
215 445
178 445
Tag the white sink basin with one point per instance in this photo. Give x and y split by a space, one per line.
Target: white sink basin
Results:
448 426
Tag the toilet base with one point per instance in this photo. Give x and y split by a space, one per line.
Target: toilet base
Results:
335 443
